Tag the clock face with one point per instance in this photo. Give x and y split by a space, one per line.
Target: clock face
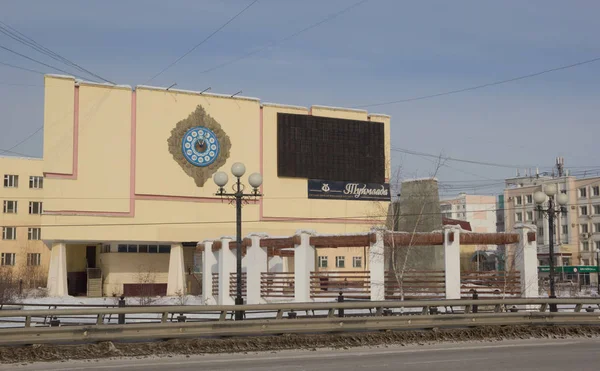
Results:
200 146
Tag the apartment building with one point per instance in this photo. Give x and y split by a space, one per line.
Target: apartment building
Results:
22 250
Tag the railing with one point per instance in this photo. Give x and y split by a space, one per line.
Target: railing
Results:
412 284
353 284
215 284
277 284
233 284
490 284
169 322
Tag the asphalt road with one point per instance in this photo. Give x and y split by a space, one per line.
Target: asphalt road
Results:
547 355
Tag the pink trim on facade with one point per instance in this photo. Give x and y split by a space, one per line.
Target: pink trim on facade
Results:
215 200
75 161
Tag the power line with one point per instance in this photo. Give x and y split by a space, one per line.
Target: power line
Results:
16 153
483 85
410 152
22 141
25 40
203 41
21 68
276 42
36 61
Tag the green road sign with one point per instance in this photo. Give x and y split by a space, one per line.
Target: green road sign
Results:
570 269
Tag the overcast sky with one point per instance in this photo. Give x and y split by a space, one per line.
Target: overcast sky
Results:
379 51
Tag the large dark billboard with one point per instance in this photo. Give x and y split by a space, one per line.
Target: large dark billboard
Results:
314 147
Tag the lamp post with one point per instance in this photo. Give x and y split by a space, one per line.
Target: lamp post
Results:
553 209
598 271
255 179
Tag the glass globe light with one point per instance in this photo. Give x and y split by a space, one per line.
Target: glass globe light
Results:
539 197
238 169
255 180
220 179
562 199
551 190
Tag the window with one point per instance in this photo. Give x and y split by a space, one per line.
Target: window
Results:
566 261
541 231
519 200
596 190
597 243
122 248
596 209
529 215
565 230
164 249
585 261
34 233
8 258
529 199
33 259
519 217
143 248
105 248
585 246
583 192
322 262
10 207
11 181
583 210
340 262
596 227
9 233
36 182
155 249
584 228
35 207
132 248
357 262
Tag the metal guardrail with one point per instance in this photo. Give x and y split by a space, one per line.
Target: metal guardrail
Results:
186 321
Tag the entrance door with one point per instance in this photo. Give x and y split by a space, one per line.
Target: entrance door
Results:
90 256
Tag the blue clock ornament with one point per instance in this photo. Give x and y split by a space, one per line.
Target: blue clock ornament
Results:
200 146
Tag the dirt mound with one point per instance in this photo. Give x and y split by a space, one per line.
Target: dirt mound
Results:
38 353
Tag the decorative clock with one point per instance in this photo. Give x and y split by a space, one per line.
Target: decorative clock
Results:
199 145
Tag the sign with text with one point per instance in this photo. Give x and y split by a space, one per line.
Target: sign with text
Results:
337 190
570 269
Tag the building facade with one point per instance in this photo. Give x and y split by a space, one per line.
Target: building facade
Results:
128 178
23 253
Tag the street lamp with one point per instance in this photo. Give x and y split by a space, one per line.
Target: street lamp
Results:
552 210
255 179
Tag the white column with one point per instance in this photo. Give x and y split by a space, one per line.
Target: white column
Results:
226 263
176 284
376 266
304 264
57 272
256 259
452 262
526 261
209 265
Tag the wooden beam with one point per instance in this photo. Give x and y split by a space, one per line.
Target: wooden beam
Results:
413 239
531 236
280 242
488 238
340 241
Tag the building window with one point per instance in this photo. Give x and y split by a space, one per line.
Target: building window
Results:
33 259
8 258
357 262
34 233
585 261
11 181
585 246
583 192
105 248
584 228
566 261
565 230
154 249
519 217
583 210
164 249
597 209
529 215
541 231
35 207
529 199
10 207
596 227
596 191
36 182
9 233
597 243
519 200
340 262
322 262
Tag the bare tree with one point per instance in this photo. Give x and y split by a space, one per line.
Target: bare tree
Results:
145 279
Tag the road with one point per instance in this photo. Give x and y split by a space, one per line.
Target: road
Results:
547 355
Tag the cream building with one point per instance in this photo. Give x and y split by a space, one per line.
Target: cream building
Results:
23 254
126 206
